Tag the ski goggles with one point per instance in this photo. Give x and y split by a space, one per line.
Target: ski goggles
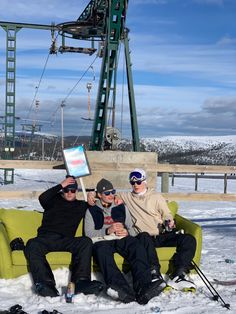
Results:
113 192
136 176
66 190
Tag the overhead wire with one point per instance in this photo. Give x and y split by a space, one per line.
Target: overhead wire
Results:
72 89
37 87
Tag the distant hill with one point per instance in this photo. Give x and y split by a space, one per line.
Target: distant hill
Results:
205 150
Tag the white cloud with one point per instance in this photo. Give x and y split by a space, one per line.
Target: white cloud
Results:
211 2
227 40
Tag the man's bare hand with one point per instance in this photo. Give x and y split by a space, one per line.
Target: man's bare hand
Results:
117 200
118 229
170 224
122 233
67 181
91 198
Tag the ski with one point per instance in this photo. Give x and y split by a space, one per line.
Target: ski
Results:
225 282
184 289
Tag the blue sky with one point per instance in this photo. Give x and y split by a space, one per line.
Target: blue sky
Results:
183 59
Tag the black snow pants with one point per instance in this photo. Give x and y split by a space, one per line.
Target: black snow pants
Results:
37 248
133 252
185 248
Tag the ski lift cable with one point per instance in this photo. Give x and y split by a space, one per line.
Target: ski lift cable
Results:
72 89
40 80
37 87
85 125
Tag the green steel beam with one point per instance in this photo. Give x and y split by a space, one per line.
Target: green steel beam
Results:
5 24
11 30
9 145
115 21
132 107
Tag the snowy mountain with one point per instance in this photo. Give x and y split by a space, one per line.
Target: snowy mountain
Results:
205 150
215 150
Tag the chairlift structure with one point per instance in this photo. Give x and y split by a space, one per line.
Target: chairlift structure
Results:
102 21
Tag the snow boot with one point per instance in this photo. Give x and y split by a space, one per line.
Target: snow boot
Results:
149 291
121 293
46 290
88 287
181 283
156 275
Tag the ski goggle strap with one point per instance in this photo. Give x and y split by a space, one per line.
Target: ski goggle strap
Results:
136 176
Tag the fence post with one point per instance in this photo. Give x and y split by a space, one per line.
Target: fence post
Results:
196 181
165 182
173 179
225 183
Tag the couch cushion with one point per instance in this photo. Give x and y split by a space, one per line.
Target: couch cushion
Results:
79 231
21 223
165 254
173 206
24 223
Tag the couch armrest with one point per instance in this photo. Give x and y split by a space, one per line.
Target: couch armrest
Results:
5 254
195 230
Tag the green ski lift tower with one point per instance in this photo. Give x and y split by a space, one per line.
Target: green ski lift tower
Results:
103 21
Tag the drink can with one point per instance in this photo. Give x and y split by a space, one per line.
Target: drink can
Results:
70 292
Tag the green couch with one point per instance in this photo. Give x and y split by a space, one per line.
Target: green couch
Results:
21 223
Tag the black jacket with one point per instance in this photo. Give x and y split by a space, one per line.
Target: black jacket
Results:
60 216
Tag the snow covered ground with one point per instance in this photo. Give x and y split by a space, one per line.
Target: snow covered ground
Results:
218 220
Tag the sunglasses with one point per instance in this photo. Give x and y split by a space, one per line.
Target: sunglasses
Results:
136 182
69 190
109 192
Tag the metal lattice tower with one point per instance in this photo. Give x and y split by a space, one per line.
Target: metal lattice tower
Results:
9 148
103 21
115 33
11 30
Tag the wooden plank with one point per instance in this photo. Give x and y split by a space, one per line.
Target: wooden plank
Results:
211 197
175 168
26 194
121 164
169 196
30 164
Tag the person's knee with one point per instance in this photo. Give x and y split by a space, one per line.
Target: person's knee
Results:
30 246
102 250
86 240
190 241
143 235
82 243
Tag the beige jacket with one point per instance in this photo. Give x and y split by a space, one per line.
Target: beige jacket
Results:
147 210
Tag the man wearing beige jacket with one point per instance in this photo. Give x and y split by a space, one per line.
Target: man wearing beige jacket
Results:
155 227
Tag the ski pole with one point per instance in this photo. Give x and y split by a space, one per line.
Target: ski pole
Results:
210 287
215 296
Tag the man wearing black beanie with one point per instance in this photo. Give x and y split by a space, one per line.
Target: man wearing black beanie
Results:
61 217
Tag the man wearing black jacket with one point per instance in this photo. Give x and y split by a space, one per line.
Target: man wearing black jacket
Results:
61 217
